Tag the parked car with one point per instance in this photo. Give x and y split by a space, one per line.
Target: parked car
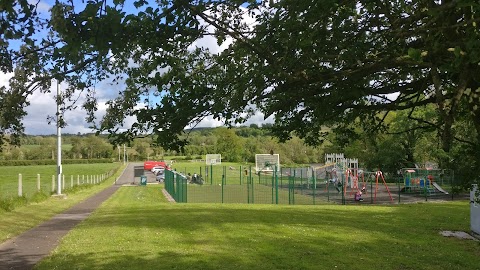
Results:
160 176
157 169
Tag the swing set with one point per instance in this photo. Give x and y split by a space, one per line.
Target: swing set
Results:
356 182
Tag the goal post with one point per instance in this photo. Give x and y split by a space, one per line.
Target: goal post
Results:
267 162
213 159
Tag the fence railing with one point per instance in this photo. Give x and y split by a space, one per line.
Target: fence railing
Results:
222 184
25 185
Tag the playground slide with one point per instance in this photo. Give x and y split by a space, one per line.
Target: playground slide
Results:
439 188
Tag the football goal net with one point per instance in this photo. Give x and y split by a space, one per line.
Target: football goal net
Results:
213 159
267 162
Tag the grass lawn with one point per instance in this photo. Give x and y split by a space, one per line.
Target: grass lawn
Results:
137 229
25 217
9 176
259 194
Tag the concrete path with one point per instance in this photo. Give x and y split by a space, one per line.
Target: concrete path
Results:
25 250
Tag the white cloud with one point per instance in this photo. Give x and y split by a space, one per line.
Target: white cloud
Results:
42 6
4 77
43 104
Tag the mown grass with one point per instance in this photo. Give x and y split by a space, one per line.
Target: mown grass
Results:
9 177
24 217
256 194
137 229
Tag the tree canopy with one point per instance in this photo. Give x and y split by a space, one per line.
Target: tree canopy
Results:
309 64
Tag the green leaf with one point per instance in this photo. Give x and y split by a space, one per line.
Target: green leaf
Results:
415 54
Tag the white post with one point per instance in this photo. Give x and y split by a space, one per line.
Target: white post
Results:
20 186
83 179
71 181
63 180
53 183
59 143
78 180
38 182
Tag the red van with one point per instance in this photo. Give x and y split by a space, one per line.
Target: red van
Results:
149 164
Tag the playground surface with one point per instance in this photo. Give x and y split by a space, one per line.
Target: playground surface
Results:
25 250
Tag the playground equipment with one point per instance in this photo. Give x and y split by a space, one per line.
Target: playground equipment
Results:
379 175
424 180
344 174
213 159
267 162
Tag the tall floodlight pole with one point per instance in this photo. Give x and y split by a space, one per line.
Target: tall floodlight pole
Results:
59 143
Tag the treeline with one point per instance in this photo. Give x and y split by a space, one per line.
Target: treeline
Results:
400 143
236 145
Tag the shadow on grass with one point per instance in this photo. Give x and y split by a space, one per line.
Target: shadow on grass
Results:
209 236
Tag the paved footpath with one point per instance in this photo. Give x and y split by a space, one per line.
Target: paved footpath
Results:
25 250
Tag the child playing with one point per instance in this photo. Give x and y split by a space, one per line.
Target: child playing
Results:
358 196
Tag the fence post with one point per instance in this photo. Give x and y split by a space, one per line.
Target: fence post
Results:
223 184
38 182
301 180
314 178
273 187
20 186
252 187
276 185
63 180
78 180
399 188
71 181
53 183
225 173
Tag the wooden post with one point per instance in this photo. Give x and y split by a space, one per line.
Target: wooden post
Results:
20 186
53 183
38 182
71 181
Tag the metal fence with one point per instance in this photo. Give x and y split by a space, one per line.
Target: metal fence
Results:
222 184
26 185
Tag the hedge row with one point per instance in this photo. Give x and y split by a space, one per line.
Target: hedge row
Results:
187 158
52 162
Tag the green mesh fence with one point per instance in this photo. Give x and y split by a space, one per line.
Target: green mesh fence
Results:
299 186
